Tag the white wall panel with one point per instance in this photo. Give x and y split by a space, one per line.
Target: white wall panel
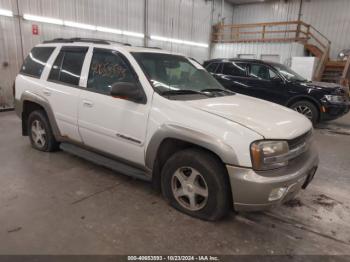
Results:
332 18
284 50
10 54
181 19
266 12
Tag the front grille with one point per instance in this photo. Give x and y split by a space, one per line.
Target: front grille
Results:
294 143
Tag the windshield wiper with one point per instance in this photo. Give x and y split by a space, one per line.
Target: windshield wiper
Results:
182 92
217 90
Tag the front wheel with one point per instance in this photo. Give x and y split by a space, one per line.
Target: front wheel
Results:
308 109
196 183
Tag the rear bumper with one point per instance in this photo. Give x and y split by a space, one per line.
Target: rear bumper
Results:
251 190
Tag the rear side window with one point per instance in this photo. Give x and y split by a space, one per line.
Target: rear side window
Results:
234 69
68 65
36 60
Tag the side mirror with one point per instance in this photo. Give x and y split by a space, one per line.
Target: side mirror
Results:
277 79
128 91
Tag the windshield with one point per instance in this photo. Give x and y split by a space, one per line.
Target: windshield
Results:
176 74
288 73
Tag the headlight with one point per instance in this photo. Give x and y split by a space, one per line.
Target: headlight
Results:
269 154
334 98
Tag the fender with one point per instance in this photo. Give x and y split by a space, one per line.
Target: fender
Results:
214 144
43 102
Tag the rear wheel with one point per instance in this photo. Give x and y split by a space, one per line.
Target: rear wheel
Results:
40 133
196 183
308 109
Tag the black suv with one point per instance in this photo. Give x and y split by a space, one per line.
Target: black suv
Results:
279 84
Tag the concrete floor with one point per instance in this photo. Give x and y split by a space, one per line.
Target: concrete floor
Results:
59 204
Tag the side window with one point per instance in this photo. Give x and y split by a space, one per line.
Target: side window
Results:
68 65
212 67
234 69
36 60
261 72
106 69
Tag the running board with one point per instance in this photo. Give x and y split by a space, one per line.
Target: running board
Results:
105 161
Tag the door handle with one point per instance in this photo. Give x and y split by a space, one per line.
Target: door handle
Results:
87 103
47 92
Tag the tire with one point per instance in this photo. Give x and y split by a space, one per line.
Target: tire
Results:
40 132
308 109
204 180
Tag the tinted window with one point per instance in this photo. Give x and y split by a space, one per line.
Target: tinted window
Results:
68 65
234 69
108 68
36 60
261 72
212 67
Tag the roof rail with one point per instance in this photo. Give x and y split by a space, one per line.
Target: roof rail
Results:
151 47
84 40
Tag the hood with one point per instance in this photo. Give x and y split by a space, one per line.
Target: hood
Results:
270 120
330 87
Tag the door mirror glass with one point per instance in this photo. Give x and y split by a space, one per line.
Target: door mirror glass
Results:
128 91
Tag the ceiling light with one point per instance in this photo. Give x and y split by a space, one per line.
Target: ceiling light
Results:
133 34
43 19
5 12
178 41
108 30
79 25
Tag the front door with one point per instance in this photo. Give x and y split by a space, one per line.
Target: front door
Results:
112 125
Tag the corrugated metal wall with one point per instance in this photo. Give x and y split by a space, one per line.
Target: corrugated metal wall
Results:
284 51
182 19
331 18
266 12
10 54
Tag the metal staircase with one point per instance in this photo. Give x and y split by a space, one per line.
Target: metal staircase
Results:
315 44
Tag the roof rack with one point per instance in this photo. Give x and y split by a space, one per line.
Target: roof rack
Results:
84 40
151 47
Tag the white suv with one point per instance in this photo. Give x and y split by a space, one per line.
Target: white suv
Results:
161 117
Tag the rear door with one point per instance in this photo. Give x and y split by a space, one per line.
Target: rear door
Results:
63 87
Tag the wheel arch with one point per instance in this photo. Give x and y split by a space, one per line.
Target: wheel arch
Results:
303 97
310 99
31 102
170 139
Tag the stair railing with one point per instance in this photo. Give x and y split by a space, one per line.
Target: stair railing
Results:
285 31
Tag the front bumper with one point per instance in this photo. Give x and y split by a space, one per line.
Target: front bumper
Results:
251 190
334 111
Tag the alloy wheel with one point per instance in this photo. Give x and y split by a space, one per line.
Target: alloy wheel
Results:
189 188
38 134
305 110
